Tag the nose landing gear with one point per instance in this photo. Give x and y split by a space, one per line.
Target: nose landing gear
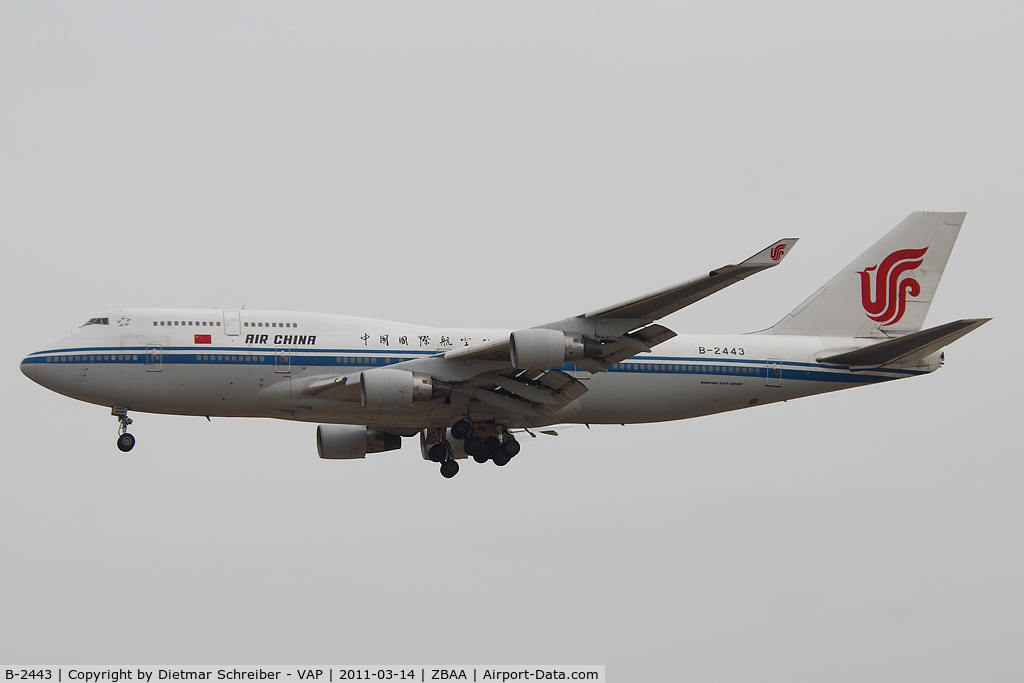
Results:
125 441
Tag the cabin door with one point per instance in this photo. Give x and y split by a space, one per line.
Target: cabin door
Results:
282 359
154 358
232 323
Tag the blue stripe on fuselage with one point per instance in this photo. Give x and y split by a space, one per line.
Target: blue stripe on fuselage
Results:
350 358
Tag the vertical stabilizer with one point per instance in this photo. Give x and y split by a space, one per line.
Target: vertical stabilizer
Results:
887 290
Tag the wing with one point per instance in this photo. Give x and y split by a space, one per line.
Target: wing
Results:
642 310
483 374
627 326
669 300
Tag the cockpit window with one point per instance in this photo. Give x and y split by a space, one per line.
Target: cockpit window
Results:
97 321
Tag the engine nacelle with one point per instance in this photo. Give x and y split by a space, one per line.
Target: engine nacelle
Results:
542 348
392 388
350 442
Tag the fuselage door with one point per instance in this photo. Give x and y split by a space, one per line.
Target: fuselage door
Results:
154 358
282 359
232 325
774 372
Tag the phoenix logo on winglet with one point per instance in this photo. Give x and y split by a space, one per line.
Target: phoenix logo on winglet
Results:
889 301
777 251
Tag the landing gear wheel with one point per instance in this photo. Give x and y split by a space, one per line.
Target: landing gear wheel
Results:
474 446
438 453
125 442
480 458
492 446
449 468
501 459
511 448
461 429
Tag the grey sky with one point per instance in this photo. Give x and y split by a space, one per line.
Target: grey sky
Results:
503 165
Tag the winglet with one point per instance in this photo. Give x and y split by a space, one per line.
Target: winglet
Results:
773 255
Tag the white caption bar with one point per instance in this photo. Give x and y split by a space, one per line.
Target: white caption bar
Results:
310 674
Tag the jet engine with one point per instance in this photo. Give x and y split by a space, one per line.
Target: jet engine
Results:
350 442
392 388
542 348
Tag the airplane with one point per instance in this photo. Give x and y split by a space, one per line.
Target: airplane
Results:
469 392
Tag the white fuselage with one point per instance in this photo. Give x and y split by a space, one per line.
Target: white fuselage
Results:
251 364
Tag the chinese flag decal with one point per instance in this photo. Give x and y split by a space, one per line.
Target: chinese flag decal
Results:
204 339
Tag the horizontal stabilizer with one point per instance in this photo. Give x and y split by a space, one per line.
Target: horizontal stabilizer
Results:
907 348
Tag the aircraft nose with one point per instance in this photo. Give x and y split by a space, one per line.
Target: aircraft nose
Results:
28 368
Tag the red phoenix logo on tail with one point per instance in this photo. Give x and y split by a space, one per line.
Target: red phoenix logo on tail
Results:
889 301
776 252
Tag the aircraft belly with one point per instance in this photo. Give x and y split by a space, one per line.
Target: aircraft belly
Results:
176 389
622 397
186 389
633 398
90 384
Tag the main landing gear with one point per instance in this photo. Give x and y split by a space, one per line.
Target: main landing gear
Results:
486 442
125 441
482 440
449 468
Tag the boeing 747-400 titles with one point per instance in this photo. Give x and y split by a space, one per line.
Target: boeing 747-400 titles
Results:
469 392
